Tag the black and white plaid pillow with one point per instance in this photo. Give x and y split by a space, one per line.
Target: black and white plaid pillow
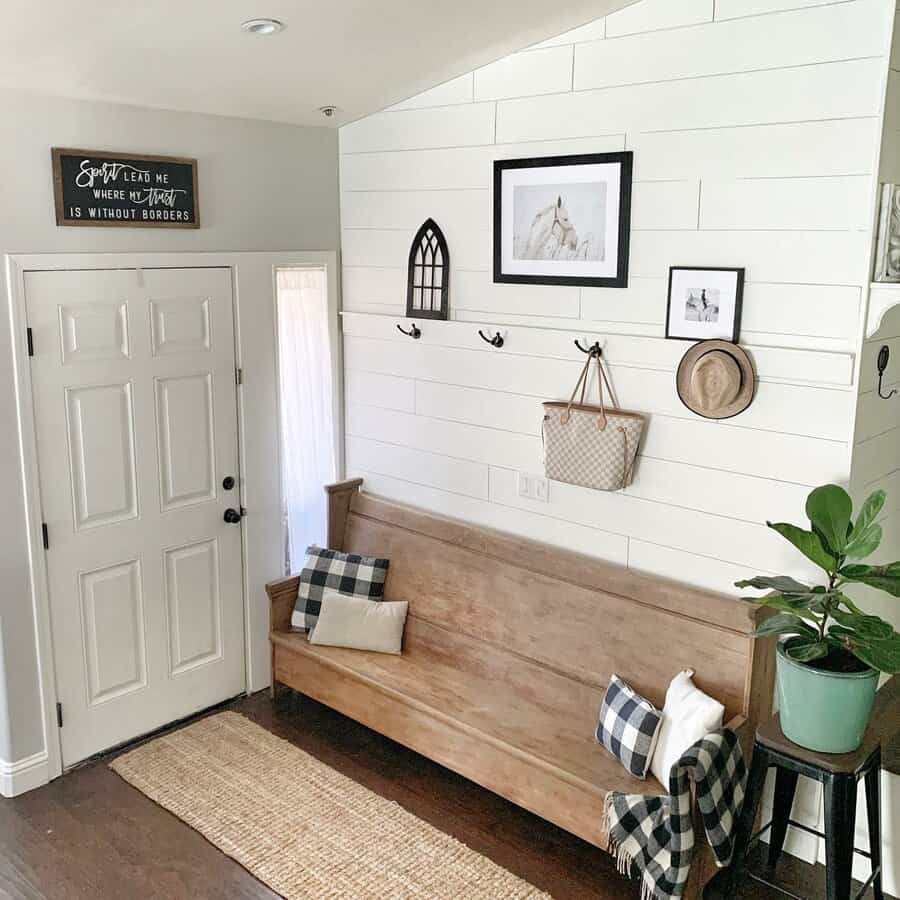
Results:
347 573
628 726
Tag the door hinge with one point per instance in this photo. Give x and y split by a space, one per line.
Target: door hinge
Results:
238 376
59 719
29 337
45 533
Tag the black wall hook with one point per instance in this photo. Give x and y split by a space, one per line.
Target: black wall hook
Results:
495 341
884 356
414 332
594 350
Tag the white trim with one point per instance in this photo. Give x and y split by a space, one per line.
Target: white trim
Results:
24 774
47 764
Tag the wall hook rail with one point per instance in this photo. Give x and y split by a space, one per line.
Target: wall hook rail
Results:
884 356
496 341
414 332
594 350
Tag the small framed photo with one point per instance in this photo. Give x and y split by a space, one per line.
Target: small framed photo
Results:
563 220
704 303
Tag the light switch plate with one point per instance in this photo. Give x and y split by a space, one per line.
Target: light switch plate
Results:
532 487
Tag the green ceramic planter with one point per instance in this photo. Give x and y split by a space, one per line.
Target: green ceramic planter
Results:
823 711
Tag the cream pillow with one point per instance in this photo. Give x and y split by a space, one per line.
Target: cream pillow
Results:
687 716
360 624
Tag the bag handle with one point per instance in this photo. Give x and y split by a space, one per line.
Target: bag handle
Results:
582 383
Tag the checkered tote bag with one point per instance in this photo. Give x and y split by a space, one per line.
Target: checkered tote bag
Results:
592 446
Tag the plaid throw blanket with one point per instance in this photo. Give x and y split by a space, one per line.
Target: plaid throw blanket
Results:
656 833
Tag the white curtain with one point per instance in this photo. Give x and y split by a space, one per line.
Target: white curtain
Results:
308 452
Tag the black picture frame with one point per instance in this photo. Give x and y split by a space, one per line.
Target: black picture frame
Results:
625 160
735 330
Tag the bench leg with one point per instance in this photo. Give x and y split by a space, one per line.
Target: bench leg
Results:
785 787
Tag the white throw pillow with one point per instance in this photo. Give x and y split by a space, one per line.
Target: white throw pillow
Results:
360 624
687 716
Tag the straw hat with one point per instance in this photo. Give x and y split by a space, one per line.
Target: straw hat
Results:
716 379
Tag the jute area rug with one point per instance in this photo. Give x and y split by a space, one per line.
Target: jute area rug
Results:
302 828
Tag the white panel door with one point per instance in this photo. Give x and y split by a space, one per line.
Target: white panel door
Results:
135 411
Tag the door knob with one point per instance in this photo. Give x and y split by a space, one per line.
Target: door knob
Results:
232 516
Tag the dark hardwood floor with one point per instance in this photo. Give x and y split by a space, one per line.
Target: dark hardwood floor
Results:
91 835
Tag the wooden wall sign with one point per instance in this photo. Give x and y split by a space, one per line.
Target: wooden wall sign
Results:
124 190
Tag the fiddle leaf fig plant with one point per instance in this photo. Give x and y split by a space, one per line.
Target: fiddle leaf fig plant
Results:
830 630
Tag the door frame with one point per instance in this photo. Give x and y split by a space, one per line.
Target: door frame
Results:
257 268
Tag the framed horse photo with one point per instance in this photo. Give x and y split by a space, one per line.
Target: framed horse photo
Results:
563 220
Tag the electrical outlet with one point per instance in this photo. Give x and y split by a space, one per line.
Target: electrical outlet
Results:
523 486
532 487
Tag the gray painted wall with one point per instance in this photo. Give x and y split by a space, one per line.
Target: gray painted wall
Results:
262 187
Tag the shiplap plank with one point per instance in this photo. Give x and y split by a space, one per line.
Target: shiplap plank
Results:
825 91
456 475
842 31
874 415
454 167
384 391
800 149
543 71
477 406
582 539
650 15
787 203
682 529
470 442
664 204
446 126
655 204
810 412
477 291
736 9
877 456
691 568
798 257
620 350
457 90
791 309
409 209
388 247
591 31
364 285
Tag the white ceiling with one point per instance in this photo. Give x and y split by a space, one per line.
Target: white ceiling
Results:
360 55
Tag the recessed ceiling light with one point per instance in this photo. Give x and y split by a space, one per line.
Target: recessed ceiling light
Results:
262 26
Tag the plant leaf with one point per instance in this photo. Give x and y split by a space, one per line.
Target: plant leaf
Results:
786 604
785 623
807 542
881 655
784 584
861 545
884 578
829 509
869 510
866 627
808 652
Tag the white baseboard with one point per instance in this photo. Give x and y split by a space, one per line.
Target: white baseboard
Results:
24 774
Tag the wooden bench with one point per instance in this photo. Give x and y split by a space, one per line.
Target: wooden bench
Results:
509 646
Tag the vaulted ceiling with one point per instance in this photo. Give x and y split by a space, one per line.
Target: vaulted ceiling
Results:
360 55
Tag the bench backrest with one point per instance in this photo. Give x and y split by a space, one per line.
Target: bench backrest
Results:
577 616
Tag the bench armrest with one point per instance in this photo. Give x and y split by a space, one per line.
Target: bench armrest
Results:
282 597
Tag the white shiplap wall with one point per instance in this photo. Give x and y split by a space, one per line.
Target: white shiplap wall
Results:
755 126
